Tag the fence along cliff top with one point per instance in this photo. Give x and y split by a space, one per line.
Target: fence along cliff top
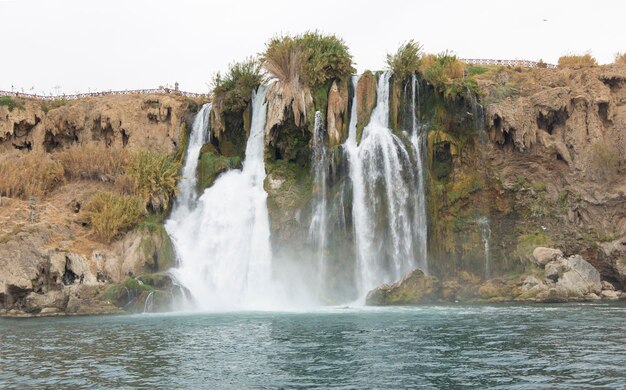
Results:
161 91
169 91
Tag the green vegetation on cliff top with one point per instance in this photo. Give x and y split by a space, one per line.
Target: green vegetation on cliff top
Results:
232 91
312 57
406 60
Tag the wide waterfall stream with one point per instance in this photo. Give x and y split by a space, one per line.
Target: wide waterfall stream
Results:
222 242
388 204
222 237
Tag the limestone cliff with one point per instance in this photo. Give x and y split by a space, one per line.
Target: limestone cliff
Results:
50 260
543 164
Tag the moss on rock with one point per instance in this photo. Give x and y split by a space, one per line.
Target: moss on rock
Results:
211 165
413 288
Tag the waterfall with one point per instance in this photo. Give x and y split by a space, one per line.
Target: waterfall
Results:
318 226
223 241
200 130
385 206
485 235
149 303
420 225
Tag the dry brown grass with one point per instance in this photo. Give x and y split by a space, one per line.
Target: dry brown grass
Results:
620 59
577 61
111 214
29 174
92 162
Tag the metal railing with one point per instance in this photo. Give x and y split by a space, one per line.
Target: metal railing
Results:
159 91
169 91
522 63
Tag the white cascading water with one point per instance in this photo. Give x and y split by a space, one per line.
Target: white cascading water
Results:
485 236
223 242
317 228
384 204
417 142
187 195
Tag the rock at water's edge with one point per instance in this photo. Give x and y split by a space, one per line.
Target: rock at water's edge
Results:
413 288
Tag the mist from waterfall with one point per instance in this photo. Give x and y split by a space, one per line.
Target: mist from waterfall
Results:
386 200
222 242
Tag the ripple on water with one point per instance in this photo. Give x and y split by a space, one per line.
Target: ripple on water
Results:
501 346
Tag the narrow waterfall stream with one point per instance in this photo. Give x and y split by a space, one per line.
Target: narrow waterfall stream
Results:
223 241
485 236
417 141
318 226
386 199
187 193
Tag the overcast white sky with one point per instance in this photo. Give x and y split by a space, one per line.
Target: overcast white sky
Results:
82 45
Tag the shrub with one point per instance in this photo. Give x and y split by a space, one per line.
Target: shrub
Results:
48 105
152 176
284 58
620 59
111 214
406 60
92 162
604 160
31 174
232 91
11 103
577 61
445 72
476 70
311 59
327 58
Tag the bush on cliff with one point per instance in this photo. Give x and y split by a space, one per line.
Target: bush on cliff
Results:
620 59
233 90
11 103
152 176
31 174
111 214
311 59
406 60
577 61
48 105
446 73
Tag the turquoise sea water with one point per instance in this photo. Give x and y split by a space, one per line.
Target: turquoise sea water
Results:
523 347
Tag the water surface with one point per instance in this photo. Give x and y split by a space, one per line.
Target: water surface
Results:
582 346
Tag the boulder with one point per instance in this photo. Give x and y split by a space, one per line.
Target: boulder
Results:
610 294
580 277
607 286
35 303
542 256
556 294
413 288
530 282
451 289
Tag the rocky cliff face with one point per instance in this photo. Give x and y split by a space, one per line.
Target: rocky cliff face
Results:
542 165
50 262
150 121
564 134
538 160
